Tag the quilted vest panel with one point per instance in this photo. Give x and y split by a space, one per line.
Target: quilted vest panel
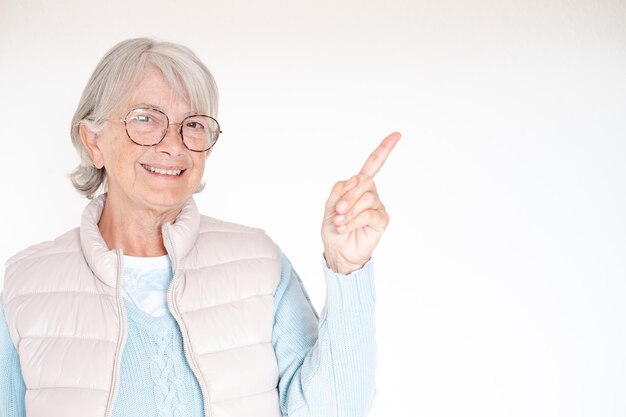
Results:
223 295
65 324
64 316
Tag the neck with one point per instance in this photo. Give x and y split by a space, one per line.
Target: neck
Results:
136 231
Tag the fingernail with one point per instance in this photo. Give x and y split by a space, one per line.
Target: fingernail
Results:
339 219
341 228
341 206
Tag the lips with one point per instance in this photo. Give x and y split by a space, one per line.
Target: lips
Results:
163 171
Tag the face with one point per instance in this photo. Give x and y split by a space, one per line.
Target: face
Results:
160 177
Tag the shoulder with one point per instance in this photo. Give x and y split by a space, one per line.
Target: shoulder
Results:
66 243
211 224
232 240
24 269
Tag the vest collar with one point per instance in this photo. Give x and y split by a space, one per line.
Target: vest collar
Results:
103 261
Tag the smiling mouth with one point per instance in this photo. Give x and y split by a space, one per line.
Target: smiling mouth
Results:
172 172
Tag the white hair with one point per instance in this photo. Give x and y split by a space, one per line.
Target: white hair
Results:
116 73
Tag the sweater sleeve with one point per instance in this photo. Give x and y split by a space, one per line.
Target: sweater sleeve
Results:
326 365
12 387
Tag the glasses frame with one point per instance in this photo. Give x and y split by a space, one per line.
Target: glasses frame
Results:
179 130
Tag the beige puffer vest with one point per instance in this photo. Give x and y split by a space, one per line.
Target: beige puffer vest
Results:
66 316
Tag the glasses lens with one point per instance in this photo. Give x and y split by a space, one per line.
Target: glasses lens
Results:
200 132
146 126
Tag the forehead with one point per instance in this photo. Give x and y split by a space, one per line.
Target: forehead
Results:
151 88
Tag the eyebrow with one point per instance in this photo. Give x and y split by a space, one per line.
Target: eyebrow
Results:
143 104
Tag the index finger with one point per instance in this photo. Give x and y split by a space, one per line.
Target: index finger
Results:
375 162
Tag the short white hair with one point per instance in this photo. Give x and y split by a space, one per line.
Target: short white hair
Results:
116 73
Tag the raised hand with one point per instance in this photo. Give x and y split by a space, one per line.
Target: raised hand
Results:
354 216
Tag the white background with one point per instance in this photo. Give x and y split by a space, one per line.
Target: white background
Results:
502 277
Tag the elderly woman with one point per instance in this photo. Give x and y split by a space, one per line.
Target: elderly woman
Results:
152 309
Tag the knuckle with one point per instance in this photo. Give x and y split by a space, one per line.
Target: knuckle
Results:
342 185
338 186
349 196
369 198
352 181
366 181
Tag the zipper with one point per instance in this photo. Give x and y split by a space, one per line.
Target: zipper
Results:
174 310
121 341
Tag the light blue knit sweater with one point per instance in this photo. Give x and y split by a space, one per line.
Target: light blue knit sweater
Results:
326 368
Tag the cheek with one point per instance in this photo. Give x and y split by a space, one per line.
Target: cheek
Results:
124 160
199 164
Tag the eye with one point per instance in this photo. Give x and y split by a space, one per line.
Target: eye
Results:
142 118
145 117
194 125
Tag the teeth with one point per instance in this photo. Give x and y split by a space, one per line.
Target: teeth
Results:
163 171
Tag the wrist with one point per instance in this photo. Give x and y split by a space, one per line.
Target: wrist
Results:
342 267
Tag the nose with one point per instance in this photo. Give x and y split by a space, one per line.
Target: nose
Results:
172 142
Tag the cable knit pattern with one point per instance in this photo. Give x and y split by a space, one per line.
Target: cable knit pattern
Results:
144 284
154 355
170 398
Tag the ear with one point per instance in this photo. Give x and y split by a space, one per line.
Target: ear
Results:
90 141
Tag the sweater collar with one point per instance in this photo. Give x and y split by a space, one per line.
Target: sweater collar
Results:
103 261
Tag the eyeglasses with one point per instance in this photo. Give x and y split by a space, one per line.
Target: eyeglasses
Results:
147 126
